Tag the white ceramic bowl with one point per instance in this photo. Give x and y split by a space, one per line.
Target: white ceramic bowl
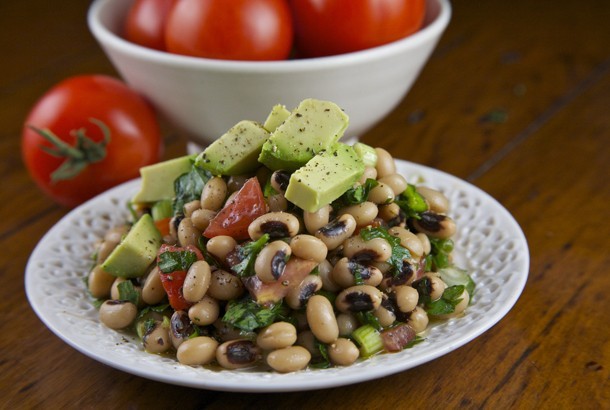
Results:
205 97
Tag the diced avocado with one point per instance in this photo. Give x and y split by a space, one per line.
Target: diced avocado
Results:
136 252
236 151
325 177
312 127
278 115
367 153
158 179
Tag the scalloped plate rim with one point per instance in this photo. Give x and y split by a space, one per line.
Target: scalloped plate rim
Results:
274 382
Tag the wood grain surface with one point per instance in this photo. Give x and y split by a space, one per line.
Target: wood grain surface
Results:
515 100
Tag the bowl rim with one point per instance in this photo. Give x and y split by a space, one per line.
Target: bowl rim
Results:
108 38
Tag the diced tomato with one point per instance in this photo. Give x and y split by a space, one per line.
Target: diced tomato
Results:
268 293
174 281
234 218
163 226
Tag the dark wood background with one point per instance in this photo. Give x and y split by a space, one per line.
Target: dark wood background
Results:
515 100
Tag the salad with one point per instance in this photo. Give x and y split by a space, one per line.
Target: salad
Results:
280 247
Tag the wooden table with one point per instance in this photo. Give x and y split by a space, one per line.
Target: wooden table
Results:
515 100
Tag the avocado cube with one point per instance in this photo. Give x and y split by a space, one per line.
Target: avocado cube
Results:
136 252
158 179
325 177
277 116
312 127
235 152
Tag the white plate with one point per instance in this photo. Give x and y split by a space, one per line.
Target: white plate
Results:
489 243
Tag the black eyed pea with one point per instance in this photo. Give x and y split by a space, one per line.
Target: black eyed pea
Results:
114 290
225 332
156 339
279 180
338 230
188 234
104 249
201 218
180 328
325 269
359 298
385 163
197 281
389 212
117 314
100 282
276 224
225 286
436 200
435 225
308 247
436 286
116 234
460 307
343 352
235 183
408 240
152 290
198 350
347 323
220 246
307 340
376 249
289 359
406 297
348 272
316 220
385 315
381 194
276 336
397 182
214 194
173 229
205 312
298 296
418 319
238 354
425 241
190 207
271 261
321 319
277 203
369 173
364 213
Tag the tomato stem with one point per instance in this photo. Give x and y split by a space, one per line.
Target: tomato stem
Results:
84 152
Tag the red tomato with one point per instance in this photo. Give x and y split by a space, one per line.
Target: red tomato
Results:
173 282
236 30
145 23
328 27
134 137
233 219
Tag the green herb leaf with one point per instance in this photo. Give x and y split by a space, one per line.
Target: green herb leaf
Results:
247 315
447 302
128 292
368 318
172 261
358 194
188 187
323 362
247 255
439 256
400 255
411 202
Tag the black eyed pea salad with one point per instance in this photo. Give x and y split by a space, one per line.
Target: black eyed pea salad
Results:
279 247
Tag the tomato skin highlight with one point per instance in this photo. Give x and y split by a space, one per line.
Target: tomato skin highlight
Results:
235 217
135 138
145 22
253 30
330 27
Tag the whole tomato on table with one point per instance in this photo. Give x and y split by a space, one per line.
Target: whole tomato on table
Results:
230 30
86 135
329 27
